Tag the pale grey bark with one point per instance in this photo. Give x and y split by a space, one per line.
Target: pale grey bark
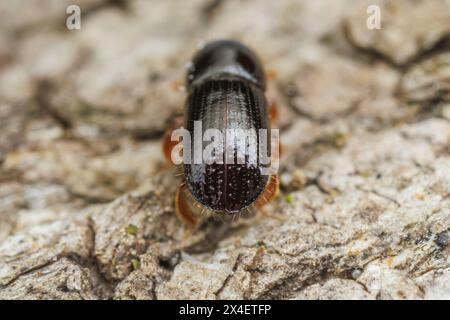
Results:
87 200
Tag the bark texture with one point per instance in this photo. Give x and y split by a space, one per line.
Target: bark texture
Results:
87 200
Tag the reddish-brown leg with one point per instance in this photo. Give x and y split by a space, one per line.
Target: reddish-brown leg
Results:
270 192
167 146
271 74
273 112
183 208
167 143
274 115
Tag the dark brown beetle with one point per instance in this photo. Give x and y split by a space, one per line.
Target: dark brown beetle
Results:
226 85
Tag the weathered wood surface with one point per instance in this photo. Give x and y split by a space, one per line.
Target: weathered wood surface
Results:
86 204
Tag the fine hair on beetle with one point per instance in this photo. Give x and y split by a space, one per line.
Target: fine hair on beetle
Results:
230 146
205 211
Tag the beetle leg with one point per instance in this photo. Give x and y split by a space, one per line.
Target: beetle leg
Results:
270 192
183 208
274 113
272 74
167 143
274 116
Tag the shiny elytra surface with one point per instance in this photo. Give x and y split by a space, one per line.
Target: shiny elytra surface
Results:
226 84
227 104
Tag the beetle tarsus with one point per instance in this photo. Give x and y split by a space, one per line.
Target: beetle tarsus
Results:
183 209
270 192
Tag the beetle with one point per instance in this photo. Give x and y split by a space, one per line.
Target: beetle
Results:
226 85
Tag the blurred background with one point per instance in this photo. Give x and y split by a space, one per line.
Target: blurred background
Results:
83 112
